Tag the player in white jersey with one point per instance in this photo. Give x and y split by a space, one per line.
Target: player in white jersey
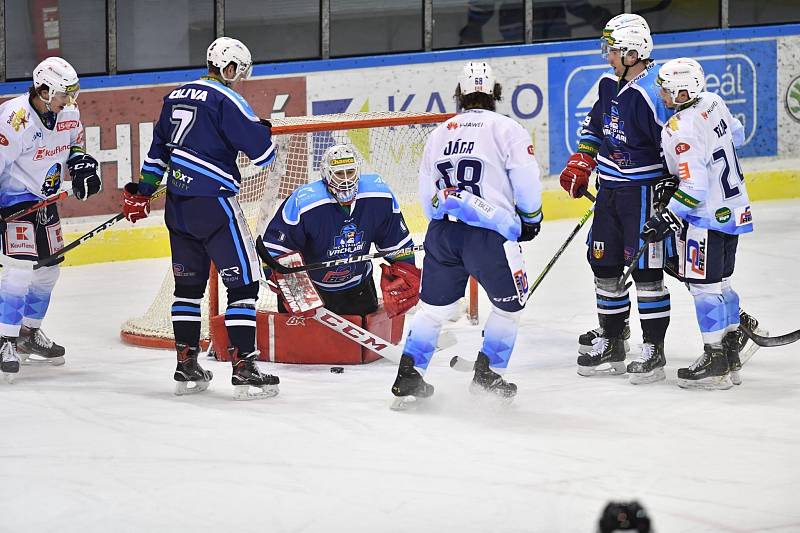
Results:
41 137
479 186
708 212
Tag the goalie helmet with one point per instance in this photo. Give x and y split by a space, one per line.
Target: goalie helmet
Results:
224 51
476 77
625 20
339 169
628 39
682 74
59 77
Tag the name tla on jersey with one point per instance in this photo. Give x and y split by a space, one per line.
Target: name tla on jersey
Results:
458 147
192 94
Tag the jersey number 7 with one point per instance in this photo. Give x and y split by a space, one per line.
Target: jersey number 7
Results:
182 119
467 175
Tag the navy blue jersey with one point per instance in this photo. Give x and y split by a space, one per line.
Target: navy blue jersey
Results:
312 222
625 124
202 128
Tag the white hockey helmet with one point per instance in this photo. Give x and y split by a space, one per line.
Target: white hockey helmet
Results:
624 20
682 74
226 50
339 169
629 38
476 77
59 77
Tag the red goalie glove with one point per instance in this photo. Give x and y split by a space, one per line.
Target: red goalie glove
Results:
400 287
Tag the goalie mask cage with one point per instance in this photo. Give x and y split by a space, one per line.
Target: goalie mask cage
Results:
387 143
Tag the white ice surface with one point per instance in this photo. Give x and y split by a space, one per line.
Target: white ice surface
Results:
102 445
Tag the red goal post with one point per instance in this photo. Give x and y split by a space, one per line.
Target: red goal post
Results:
387 143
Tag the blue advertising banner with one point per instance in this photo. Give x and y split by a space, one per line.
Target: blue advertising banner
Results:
744 73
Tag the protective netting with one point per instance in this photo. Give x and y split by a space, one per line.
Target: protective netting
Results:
389 144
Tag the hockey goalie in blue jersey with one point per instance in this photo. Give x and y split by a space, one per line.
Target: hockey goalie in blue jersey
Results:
342 215
203 126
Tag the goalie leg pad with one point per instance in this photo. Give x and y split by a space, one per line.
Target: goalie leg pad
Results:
425 329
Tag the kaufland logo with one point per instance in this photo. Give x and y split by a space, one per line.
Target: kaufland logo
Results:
42 153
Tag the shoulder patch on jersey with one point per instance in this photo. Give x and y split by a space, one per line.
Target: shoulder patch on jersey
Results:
19 119
530 149
305 198
672 123
3 140
681 148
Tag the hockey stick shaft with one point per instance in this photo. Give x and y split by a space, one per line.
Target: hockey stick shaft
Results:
621 286
770 342
38 205
277 267
563 247
56 257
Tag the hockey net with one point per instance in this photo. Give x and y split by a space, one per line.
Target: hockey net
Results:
387 143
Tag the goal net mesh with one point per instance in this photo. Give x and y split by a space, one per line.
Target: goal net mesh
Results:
389 144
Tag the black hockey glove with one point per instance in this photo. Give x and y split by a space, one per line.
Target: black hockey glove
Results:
660 225
85 180
663 191
529 231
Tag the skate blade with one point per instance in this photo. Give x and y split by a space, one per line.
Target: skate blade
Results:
9 377
407 403
584 349
244 392
750 347
182 388
736 378
482 396
712 383
603 369
34 360
642 378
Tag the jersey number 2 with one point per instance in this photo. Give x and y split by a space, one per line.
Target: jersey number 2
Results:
182 119
729 190
467 175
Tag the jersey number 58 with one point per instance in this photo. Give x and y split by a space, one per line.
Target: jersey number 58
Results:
467 175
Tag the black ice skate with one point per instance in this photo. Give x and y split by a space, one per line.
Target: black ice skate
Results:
710 371
748 348
730 345
606 357
409 387
246 374
487 381
34 347
189 375
587 340
9 360
649 366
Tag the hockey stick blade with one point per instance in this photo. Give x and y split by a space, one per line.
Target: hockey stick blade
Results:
462 365
769 342
265 256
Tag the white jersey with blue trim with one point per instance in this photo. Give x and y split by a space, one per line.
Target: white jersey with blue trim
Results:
489 156
699 147
312 222
202 128
625 125
33 157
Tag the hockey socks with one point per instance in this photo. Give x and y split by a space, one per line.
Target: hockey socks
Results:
499 336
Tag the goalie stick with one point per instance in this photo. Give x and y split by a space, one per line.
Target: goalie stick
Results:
283 269
779 340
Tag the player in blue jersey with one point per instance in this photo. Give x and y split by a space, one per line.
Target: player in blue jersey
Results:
342 215
202 127
479 186
621 138
708 212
